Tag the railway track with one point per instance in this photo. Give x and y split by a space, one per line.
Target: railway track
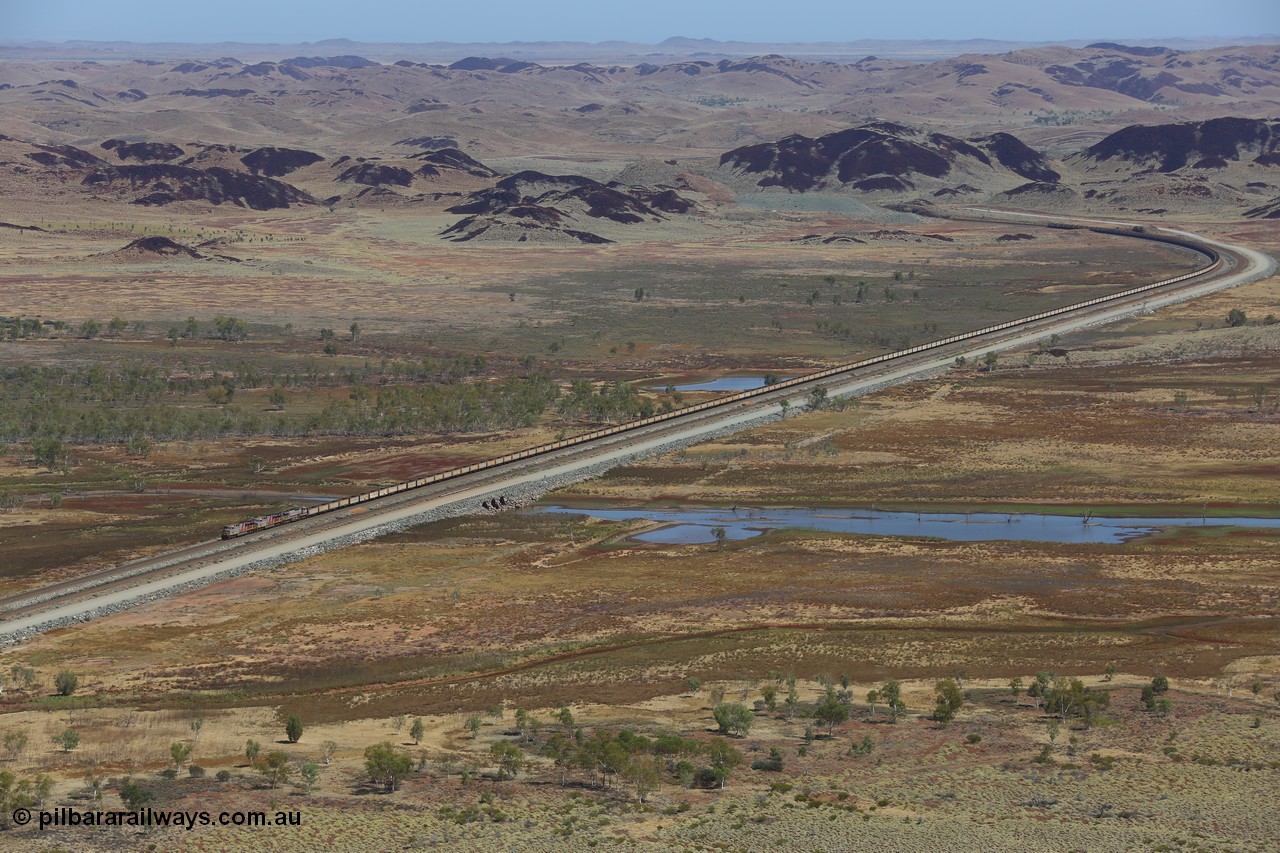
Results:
461 490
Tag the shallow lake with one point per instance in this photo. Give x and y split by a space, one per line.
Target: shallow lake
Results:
724 383
696 526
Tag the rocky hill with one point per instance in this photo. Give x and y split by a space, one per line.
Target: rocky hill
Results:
499 107
557 208
1214 144
153 248
157 173
161 184
888 158
278 162
1221 164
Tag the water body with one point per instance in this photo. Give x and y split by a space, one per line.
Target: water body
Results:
725 383
696 526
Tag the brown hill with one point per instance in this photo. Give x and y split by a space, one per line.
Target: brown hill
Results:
1215 166
150 248
143 151
533 205
162 184
884 157
1213 144
278 162
499 107
1270 210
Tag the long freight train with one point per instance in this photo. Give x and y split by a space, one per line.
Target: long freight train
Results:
296 514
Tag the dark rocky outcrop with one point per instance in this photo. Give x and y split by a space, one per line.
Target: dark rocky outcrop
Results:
213 93
269 69
278 162
1124 48
330 62
1016 156
531 203
451 159
484 63
880 157
1042 189
430 142
163 183
143 151
64 156
161 247
1206 144
1270 210
529 191
376 175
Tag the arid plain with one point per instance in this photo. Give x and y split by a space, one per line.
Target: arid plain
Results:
261 283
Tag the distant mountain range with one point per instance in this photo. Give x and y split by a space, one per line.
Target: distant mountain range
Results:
1229 165
623 51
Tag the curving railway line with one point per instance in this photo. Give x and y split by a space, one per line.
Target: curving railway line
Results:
261 542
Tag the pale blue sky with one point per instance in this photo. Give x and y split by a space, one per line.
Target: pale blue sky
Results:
645 21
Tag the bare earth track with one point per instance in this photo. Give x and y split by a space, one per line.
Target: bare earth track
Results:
112 589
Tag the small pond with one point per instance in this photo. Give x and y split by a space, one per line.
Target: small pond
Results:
696 526
724 383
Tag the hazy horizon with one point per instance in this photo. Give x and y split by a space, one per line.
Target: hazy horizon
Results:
508 21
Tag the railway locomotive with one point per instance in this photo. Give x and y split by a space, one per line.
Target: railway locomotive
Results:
263 521
740 398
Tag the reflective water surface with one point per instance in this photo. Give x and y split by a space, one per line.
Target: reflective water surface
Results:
724 383
695 526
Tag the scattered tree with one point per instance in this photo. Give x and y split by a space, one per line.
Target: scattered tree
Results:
251 750
831 713
473 725
180 752
66 682
14 744
68 739
817 399
891 695
1236 318
724 758
508 758
949 698
293 728
310 773
642 772
417 730
133 795
274 766
735 718
230 328
387 766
